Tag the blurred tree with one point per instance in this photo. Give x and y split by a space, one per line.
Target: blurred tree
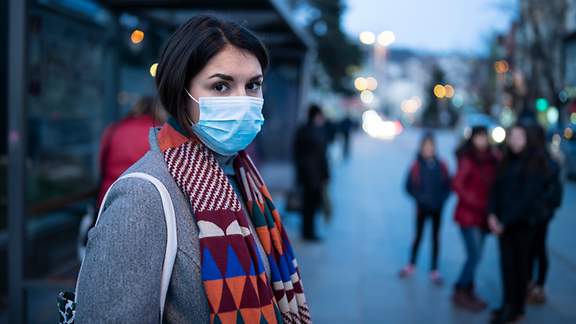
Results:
540 50
431 115
336 52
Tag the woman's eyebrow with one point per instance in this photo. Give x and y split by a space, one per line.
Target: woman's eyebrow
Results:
259 76
222 76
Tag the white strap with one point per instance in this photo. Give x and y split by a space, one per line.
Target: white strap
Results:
171 234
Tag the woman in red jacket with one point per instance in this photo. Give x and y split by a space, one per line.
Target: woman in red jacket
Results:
477 165
126 142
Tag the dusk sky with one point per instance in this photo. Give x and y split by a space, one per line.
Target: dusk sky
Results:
441 25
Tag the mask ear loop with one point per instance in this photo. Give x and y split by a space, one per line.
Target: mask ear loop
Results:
189 95
196 101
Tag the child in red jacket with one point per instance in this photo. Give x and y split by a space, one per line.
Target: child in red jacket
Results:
476 172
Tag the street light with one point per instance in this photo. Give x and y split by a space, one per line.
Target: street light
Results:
367 37
367 97
137 36
153 69
360 84
439 91
386 38
449 91
371 83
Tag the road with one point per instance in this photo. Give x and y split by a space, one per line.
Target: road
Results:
352 276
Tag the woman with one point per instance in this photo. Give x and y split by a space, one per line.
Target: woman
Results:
516 206
477 165
428 182
553 196
234 262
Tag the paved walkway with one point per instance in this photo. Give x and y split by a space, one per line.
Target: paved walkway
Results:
352 276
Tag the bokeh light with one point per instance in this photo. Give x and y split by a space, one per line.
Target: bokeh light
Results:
498 134
137 36
367 37
360 84
501 67
449 90
153 69
372 83
439 91
367 96
386 38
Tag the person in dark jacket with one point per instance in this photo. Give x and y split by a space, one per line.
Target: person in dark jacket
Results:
476 172
516 207
311 162
428 182
553 195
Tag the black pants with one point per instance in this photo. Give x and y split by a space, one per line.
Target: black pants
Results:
515 254
421 216
539 255
311 201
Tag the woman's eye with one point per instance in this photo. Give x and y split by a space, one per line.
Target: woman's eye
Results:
221 87
254 86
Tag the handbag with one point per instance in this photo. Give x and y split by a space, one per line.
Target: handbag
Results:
67 300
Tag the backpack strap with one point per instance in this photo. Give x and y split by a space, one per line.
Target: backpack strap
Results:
171 234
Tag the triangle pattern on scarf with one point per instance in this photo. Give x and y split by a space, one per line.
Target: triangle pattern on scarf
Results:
236 286
210 270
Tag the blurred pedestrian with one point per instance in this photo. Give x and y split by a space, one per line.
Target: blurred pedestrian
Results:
553 197
312 170
122 144
477 165
428 182
126 141
516 206
231 243
346 126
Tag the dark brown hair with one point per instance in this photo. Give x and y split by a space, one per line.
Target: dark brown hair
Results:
188 51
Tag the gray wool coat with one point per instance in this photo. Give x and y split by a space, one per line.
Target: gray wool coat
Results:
120 277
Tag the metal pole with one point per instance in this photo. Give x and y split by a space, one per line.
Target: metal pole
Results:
16 157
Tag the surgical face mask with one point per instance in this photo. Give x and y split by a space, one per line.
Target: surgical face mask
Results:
228 125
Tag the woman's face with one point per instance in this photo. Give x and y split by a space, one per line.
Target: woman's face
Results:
231 72
480 142
517 140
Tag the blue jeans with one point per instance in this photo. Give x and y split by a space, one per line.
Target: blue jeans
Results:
473 238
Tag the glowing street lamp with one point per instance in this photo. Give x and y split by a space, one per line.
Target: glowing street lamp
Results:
367 97
371 83
137 36
449 91
367 37
439 91
360 84
386 38
153 69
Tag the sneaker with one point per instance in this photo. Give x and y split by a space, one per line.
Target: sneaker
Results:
407 271
478 304
436 278
463 299
536 295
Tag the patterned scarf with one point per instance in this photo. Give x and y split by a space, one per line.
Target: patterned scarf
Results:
234 278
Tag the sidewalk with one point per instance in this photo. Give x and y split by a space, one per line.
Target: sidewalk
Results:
352 277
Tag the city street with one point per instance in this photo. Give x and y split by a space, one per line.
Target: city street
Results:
352 277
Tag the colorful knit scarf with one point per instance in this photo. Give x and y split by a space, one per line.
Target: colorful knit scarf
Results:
234 278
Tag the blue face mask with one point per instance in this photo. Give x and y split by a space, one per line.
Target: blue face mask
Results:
228 125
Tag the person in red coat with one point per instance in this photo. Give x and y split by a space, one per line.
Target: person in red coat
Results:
477 166
126 141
